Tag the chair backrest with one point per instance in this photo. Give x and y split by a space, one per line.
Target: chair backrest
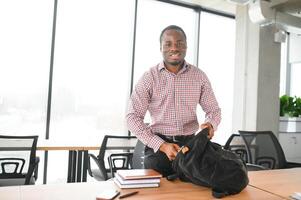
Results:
236 144
138 156
264 149
17 159
116 152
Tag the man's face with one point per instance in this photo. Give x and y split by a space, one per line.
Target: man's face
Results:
173 48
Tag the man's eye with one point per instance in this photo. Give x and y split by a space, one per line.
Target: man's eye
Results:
180 44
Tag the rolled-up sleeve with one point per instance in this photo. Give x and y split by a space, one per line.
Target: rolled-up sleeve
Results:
137 107
209 104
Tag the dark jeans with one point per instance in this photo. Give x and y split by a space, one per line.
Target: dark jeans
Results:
159 161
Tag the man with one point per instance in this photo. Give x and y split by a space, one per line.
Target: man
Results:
171 91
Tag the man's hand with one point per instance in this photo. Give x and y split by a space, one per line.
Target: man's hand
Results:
210 127
170 149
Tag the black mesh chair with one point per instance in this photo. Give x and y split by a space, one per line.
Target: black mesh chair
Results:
236 144
116 152
263 148
18 161
138 156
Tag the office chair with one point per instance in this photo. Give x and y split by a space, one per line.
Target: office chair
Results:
263 148
18 161
116 152
236 144
138 156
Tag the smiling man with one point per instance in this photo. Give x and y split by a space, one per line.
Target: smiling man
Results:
171 91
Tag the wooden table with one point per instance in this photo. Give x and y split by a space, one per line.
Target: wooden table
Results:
10 193
77 159
176 190
282 183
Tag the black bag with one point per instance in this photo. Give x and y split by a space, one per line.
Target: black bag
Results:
205 163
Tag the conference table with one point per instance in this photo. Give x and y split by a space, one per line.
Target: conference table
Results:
267 185
77 158
168 190
280 182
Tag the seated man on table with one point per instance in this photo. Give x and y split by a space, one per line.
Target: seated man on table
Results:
171 91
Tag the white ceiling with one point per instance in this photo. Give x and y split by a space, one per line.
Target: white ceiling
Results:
218 5
292 7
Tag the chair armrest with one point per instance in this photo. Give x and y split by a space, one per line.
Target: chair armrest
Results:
125 158
36 168
253 167
292 164
102 172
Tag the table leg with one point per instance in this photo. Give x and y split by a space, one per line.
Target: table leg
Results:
45 167
71 166
85 166
79 166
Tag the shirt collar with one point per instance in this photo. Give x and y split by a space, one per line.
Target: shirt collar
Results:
161 66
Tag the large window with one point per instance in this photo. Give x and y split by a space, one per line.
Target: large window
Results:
216 59
283 68
25 40
290 66
25 43
295 79
153 17
92 64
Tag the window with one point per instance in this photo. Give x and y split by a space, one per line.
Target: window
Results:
216 59
283 68
92 65
25 39
152 18
295 79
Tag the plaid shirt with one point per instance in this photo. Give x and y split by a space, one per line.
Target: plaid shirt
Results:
171 100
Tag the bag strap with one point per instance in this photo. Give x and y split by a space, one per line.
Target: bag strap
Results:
172 177
219 194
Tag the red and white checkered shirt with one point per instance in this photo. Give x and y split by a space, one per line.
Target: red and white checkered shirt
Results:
171 100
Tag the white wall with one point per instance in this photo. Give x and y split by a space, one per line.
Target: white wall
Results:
257 76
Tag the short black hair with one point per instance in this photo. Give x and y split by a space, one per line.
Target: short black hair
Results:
172 27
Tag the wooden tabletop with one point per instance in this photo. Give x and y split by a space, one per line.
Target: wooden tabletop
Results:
10 193
282 182
75 145
180 190
176 190
53 145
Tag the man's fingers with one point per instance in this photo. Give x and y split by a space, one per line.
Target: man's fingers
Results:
204 126
171 157
210 134
177 147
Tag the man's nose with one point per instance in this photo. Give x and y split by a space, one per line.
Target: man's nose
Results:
174 46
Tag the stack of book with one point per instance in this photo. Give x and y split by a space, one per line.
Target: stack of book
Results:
137 178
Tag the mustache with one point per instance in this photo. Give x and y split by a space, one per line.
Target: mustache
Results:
174 52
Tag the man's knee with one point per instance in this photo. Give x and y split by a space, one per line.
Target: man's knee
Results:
159 162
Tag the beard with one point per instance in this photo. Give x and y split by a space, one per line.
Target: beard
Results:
174 63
